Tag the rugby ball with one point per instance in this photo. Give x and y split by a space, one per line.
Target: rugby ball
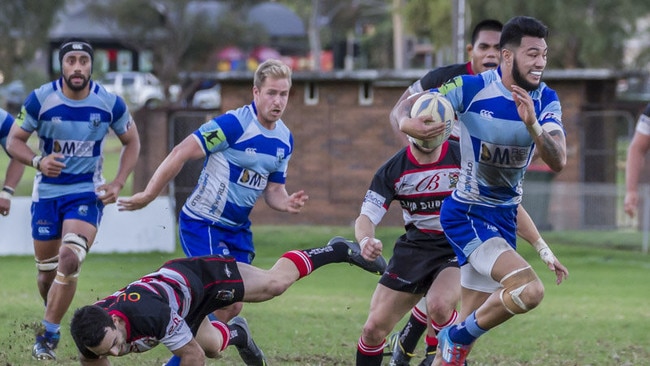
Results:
439 109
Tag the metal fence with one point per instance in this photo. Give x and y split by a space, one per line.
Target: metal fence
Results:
563 206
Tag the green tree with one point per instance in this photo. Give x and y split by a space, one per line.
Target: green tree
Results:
22 24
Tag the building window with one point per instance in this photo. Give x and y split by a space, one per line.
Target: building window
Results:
311 93
365 93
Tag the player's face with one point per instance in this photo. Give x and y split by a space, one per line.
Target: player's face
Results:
76 67
528 63
111 345
485 53
271 100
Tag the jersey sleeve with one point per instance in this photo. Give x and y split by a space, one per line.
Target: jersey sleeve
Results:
27 119
6 121
122 119
379 196
219 133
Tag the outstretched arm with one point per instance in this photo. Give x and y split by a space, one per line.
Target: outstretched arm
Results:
394 119
188 149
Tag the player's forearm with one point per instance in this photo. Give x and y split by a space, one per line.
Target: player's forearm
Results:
128 160
634 164
552 149
363 228
526 228
14 172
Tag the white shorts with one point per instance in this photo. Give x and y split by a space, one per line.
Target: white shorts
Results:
476 273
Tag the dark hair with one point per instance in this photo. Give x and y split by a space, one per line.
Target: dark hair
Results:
486 25
518 27
75 44
88 328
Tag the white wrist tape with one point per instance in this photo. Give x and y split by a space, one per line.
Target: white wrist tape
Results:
536 129
544 251
36 162
363 242
5 195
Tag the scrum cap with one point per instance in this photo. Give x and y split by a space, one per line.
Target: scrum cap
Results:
75 45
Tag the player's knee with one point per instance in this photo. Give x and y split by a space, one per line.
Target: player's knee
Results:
71 256
522 291
373 332
439 308
47 265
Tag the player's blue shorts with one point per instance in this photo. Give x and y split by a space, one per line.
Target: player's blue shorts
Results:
199 238
467 226
48 214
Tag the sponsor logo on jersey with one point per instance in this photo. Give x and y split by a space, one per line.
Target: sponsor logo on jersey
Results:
279 153
374 198
95 120
486 114
20 118
551 116
251 151
452 84
213 138
504 155
74 148
251 179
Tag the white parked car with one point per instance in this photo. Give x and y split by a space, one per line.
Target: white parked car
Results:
207 98
139 89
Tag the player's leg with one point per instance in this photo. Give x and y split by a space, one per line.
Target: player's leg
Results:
387 307
403 343
442 299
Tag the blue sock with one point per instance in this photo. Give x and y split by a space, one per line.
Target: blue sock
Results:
51 327
467 331
174 361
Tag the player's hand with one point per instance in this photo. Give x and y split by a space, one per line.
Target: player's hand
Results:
525 107
370 248
108 193
297 201
561 272
5 206
135 202
51 166
631 203
422 127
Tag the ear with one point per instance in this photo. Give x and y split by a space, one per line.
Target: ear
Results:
469 48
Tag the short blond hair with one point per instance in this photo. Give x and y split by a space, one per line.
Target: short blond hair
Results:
271 68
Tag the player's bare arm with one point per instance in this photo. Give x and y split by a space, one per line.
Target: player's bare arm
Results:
188 149
635 161
415 126
551 146
277 197
128 158
364 232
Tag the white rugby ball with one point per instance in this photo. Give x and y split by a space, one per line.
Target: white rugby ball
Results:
440 110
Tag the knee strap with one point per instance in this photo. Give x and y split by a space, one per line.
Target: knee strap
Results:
514 284
47 265
78 245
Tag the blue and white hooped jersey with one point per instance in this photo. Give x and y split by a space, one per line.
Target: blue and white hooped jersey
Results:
242 157
6 121
76 129
643 124
496 146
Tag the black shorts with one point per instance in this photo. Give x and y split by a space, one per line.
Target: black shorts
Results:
215 282
415 264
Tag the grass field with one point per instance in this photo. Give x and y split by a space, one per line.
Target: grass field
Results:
600 316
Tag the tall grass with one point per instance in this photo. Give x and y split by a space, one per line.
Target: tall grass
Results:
599 316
